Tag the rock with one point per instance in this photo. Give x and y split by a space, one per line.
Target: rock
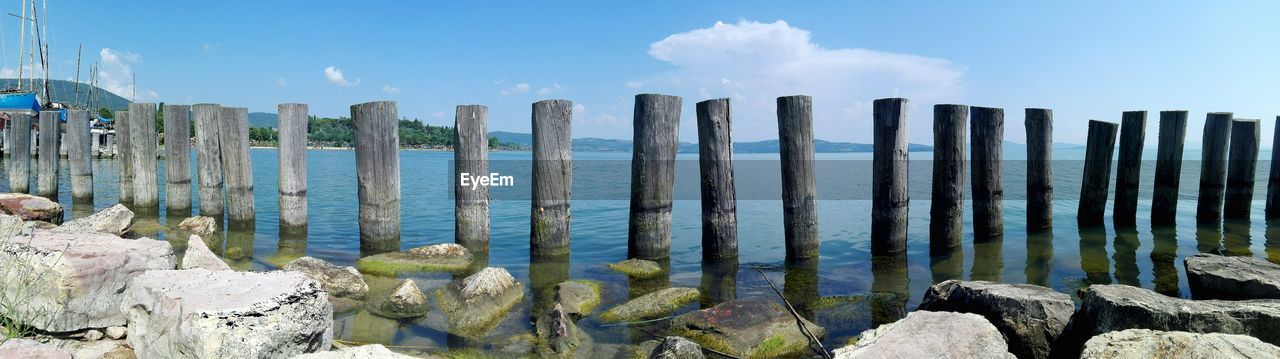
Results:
925 334
1105 308
1031 317
197 313
446 257
558 336
478 302
405 301
1143 343
10 226
199 225
65 282
676 348
30 349
93 334
30 207
114 220
371 351
652 305
638 268
102 349
579 297
748 328
29 226
520 344
199 256
342 282
116 332
344 305
1232 278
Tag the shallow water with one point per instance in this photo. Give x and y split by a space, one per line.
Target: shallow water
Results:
846 290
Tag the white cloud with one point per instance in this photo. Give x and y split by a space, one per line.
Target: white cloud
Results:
517 89
282 82
753 63
547 90
390 89
335 76
115 72
634 84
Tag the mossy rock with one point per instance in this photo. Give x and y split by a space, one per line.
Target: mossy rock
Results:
579 297
446 257
652 305
475 304
638 268
750 328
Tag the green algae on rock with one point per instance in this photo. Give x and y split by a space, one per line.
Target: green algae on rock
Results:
748 328
652 305
475 304
404 301
638 268
445 257
579 297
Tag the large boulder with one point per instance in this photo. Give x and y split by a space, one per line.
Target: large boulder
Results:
652 305
199 256
63 282
342 282
559 337
1031 317
1143 343
475 304
198 313
1220 277
1106 308
114 220
925 334
30 207
403 301
199 225
445 257
749 328
578 297
370 351
30 349
100 349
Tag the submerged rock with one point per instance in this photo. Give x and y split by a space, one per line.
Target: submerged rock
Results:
222 314
404 301
579 297
1220 277
652 305
558 336
676 348
475 304
63 282
752 328
925 334
342 282
1143 343
31 208
1031 317
198 255
344 305
370 351
27 348
114 220
638 268
199 225
445 257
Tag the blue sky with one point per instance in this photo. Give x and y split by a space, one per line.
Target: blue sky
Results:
1085 60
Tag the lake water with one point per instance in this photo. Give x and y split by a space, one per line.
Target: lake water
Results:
846 290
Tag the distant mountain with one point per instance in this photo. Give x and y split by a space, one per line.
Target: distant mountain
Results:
264 119
65 92
767 146
513 137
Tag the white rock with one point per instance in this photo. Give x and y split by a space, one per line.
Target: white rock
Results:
101 349
116 332
27 348
199 225
405 301
924 334
199 256
64 282
371 351
10 226
114 220
344 282
93 335
1144 343
197 313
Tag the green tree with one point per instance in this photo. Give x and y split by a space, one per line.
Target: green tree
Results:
493 142
105 113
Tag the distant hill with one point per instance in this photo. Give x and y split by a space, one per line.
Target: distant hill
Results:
767 146
264 119
65 92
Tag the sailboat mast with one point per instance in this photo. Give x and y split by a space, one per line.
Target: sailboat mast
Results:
79 51
22 42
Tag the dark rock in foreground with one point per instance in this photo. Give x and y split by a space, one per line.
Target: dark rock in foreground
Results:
749 328
925 334
1143 343
1232 278
1031 317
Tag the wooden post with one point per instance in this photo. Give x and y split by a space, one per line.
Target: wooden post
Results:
208 159
719 198
378 174
552 178
656 123
110 148
1213 167
177 147
946 209
1097 172
799 193
986 126
293 165
1245 139
48 168
1273 182
889 196
142 142
20 158
79 155
1133 129
471 157
1164 200
1039 125
233 138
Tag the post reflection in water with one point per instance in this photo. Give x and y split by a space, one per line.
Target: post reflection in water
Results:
889 288
1164 254
1209 238
1235 237
292 245
800 284
239 252
1093 255
544 274
988 260
145 224
81 209
1126 256
947 265
1273 241
1039 257
719 282
640 286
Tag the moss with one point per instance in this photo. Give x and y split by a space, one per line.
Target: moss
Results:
390 264
467 353
638 268
707 341
590 306
652 305
772 347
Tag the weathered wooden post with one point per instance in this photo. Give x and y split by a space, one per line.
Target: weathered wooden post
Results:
799 194
1133 129
986 128
1039 125
378 174
946 209
1164 199
656 122
110 146
93 142
471 158
293 165
233 138
50 136
142 142
177 147
1245 138
79 155
208 159
719 198
552 178
1273 181
20 159
889 196
1213 167
1097 172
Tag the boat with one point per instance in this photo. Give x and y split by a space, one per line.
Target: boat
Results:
19 101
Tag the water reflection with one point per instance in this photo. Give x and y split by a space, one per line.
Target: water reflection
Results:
239 251
988 260
719 282
946 266
1126 256
145 224
81 209
1273 241
292 245
544 274
1039 257
1235 237
1164 255
1209 238
800 284
1093 255
640 286
889 288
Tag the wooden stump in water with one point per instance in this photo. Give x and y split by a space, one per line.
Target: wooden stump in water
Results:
142 140
293 165
20 159
79 155
233 138
177 157
377 140
656 122
125 150
719 197
1164 200
889 197
1097 173
552 178
1039 125
946 209
1273 182
209 159
1243 164
47 162
1133 128
986 126
471 157
799 194
1213 167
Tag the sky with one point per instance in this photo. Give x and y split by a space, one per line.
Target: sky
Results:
1085 60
